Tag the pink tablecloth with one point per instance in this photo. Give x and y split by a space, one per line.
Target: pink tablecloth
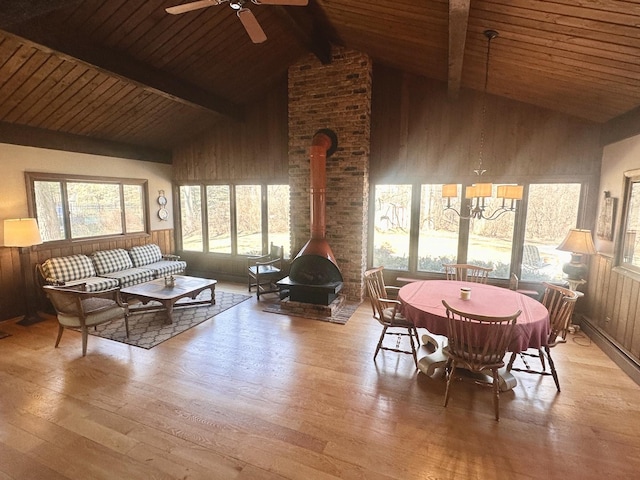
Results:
422 305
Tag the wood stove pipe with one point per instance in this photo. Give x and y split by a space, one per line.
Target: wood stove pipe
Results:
323 145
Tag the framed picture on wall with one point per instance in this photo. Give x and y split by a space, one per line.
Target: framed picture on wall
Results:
606 218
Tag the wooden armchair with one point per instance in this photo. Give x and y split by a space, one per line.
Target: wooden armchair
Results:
77 308
386 312
477 343
266 270
466 272
560 303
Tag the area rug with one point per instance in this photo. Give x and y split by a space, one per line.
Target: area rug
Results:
341 316
148 329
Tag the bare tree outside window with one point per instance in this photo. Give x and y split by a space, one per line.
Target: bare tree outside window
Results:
219 218
278 214
552 211
249 219
438 233
50 212
191 218
392 226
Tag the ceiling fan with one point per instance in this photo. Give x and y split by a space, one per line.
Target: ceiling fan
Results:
251 25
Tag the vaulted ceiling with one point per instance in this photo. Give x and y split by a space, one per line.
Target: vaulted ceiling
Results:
127 74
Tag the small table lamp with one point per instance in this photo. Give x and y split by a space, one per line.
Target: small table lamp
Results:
22 233
579 243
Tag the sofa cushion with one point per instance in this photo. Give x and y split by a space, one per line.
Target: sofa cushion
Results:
109 261
131 276
67 269
167 267
145 254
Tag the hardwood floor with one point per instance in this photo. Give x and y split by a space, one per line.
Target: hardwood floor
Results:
251 395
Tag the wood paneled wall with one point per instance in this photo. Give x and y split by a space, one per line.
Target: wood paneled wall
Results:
234 151
12 299
613 306
418 132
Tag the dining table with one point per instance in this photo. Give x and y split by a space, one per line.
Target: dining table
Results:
421 303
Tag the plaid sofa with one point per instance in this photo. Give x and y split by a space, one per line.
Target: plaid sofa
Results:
105 269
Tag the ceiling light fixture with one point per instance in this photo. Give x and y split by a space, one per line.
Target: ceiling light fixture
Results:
477 192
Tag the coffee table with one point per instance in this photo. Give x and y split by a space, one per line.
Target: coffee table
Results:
167 296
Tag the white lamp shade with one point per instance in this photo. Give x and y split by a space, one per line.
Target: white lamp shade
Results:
21 232
578 241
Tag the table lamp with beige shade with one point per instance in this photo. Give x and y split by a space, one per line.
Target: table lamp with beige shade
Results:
579 242
24 233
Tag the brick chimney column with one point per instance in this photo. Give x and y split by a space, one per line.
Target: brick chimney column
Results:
337 97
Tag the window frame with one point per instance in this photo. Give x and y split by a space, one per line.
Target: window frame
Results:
629 178
464 226
65 179
233 214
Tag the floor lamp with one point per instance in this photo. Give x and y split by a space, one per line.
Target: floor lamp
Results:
24 233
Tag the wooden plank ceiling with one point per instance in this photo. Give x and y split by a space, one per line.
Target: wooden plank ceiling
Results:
125 74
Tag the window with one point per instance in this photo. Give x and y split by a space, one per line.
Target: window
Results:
629 251
240 219
191 218
249 219
491 241
438 231
77 207
392 222
552 211
219 218
278 214
413 230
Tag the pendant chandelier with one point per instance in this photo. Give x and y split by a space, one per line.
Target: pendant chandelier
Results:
478 192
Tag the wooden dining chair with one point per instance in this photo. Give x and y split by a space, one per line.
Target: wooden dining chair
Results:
560 303
466 272
477 343
386 312
514 284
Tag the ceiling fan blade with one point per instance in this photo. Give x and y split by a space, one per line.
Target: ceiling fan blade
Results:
251 25
188 7
295 3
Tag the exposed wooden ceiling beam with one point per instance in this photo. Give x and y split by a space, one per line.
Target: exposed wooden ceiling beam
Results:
306 30
41 35
37 137
458 21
